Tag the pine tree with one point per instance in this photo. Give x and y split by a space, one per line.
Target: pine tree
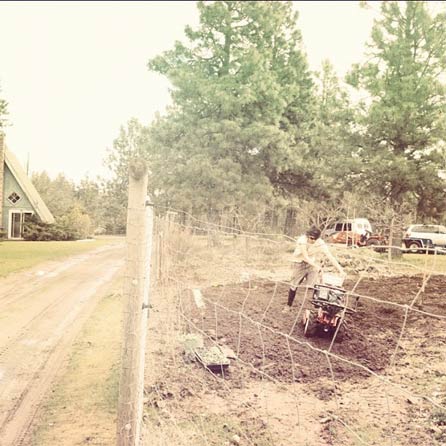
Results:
404 121
243 105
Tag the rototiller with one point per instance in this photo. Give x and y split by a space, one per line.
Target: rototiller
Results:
329 308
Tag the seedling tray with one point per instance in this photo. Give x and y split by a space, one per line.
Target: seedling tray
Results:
212 358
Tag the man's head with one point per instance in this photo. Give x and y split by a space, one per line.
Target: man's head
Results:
313 233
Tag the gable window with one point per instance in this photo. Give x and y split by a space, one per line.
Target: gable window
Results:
14 198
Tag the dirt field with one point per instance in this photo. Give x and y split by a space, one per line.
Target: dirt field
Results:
384 383
250 321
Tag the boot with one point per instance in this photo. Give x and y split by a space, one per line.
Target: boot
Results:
291 296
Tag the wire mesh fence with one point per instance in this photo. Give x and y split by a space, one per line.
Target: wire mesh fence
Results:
228 366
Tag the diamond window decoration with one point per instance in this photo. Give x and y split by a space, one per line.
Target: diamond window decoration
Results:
14 198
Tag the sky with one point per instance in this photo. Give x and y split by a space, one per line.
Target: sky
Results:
74 72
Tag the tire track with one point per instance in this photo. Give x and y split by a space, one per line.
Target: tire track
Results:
28 369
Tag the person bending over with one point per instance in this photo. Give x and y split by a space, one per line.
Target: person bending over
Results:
306 261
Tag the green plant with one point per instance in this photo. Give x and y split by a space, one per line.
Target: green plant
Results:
438 417
73 226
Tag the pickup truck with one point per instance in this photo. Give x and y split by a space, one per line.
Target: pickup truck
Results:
367 239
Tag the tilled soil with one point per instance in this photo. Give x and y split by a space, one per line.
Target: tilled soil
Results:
248 319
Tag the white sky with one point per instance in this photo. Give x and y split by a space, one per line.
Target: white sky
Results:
74 72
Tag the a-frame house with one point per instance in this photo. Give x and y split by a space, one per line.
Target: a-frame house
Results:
19 198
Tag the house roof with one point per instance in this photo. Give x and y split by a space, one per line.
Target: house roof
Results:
27 187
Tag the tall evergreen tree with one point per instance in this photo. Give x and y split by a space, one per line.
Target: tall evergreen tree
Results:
405 118
243 105
132 142
333 134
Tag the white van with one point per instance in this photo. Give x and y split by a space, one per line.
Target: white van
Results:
354 225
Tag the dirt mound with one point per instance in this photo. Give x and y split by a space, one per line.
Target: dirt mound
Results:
248 319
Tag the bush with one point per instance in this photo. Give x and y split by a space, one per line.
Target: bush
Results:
73 226
35 230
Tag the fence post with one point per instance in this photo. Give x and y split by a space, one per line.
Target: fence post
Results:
136 295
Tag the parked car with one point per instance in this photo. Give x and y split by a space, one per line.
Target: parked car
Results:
422 238
357 226
418 245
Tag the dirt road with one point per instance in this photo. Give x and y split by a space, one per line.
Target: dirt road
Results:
41 311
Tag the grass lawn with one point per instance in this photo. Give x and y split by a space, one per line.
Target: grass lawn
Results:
18 255
431 263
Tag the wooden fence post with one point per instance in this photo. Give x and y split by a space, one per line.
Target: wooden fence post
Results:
136 295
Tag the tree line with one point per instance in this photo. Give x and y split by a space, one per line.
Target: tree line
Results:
251 127
252 130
